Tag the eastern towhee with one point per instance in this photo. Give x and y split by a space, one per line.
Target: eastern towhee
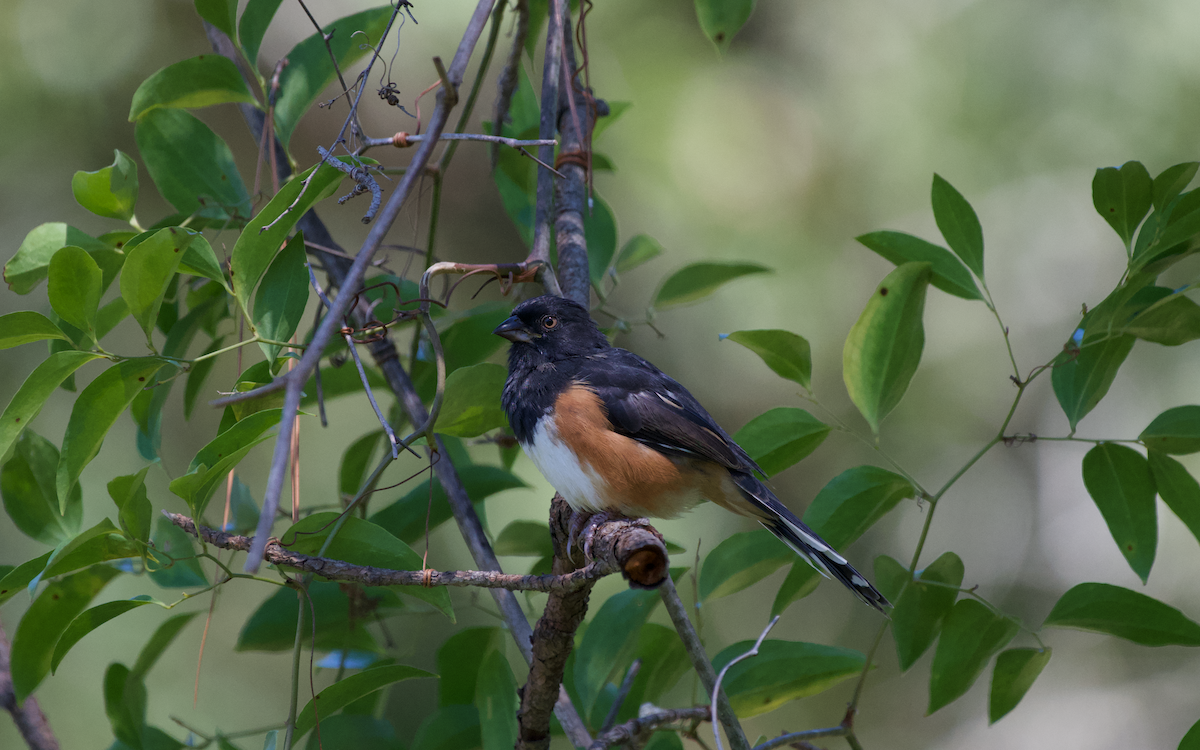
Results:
613 434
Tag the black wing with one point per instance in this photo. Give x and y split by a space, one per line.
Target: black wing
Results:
648 406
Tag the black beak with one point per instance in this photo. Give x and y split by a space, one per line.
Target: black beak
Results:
514 330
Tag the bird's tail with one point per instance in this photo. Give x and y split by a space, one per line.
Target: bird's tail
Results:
781 522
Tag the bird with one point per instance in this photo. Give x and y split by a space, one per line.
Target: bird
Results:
614 435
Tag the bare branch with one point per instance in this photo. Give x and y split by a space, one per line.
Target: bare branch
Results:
570 193
639 728
703 667
551 72
506 85
795 738
28 716
404 140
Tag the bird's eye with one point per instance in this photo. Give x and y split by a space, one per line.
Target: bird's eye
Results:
549 321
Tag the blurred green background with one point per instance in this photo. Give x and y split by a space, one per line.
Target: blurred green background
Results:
824 120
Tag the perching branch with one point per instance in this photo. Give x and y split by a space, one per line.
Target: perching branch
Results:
28 716
339 570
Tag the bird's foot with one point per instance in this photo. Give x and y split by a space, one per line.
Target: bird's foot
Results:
583 527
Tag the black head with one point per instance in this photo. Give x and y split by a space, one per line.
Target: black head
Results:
553 327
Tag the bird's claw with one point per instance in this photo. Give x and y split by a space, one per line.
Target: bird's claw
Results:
583 527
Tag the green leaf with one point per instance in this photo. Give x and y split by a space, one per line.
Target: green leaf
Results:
524 538
458 660
845 508
1081 381
1171 182
471 405
497 702
147 274
788 355
884 347
1014 673
253 26
949 274
958 224
88 621
213 462
32 394
779 438
74 288
45 621
21 576
101 543
125 704
664 662
1175 431
970 635
190 84
1191 740
600 232
109 315
890 577
1122 197
133 505
200 260
449 728
27 485
699 280
95 411
355 467
310 69
339 694
741 561
282 296
31 263
110 192
1103 608
346 731
256 246
783 671
1120 483
158 643
191 165
920 611
608 643
272 627
721 19
364 543
1178 489
637 250
1163 318
220 13
27 326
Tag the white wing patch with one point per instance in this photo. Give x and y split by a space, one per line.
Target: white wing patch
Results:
578 484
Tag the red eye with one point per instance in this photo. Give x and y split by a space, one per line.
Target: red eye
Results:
549 321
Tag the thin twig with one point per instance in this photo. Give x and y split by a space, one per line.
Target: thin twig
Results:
716 689
805 736
506 85
403 140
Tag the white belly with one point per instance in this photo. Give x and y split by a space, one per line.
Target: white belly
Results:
577 483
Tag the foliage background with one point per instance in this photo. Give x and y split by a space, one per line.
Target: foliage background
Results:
823 120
